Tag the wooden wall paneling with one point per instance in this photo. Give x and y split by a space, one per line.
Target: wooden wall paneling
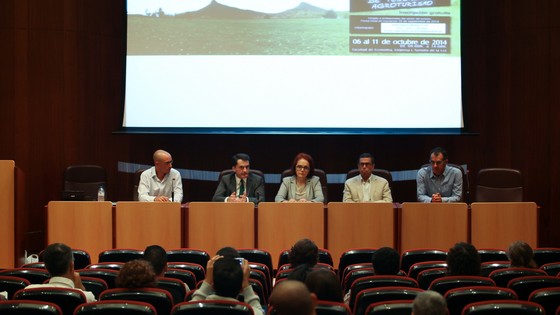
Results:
7 213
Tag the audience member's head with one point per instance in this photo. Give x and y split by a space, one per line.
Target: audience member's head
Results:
59 260
228 277
325 285
521 255
157 256
429 303
463 260
291 297
228 252
386 261
304 251
136 274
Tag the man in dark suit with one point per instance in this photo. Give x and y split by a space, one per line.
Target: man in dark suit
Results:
241 185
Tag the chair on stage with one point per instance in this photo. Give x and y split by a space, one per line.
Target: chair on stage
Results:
524 286
29 307
116 307
33 275
85 180
160 299
503 308
549 298
67 299
212 308
12 284
332 308
390 308
352 257
458 298
374 295
410 257
503 276
137 176
444 284
120 255
319 173
188 255
499 184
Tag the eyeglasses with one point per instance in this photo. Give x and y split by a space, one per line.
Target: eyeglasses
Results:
302 168
435 162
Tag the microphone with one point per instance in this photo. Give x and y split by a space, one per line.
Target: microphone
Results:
173 190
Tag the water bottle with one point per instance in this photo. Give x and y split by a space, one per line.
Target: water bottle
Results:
101 194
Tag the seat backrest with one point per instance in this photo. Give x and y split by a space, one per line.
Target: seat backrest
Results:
106 265
86 178
107 275
259 290
354 275
67 299
350 268
376 171
546 255
160 299
425 265
257 256
426 277
319 173
116 307
94 285
197 270
379 282
81 258
214 307
552 269
503 308
410 257
490 254
499 184
354 256
120 255
549 298
12 284
465 194
458 298
175 287
524 286
332 308
190 255
503 276
185 276
374 295
29 307
33 275
325 257
264 269
444 284
487 267
397 307
136 181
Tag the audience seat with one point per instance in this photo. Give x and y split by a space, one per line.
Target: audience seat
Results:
552 269
255 255
120 255
410 257
33 275
106 265
12 284
94 285
325 257
374 295
67 299
354 275
175 287
489 254
332 308
487 267
81 258
498 185
116 307
396 307
418 267
379 282
107 275
352 257
29 307
549 298
458 298
350 268
524 286
503 276
444 284
264 269
188 255
546 255
503 308
426 277
185 276
212 308
197 270
160 299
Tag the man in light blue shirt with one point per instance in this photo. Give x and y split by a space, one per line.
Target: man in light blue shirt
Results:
438 182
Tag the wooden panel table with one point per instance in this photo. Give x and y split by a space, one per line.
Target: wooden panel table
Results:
281 224
213 225
7 223
497 224
433 225
139 224
359 225
86 225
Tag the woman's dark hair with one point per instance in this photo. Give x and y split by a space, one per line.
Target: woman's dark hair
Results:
521 255
463 260
304 251
325 285
309 159
136 274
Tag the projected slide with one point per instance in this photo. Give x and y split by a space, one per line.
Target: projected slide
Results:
292 65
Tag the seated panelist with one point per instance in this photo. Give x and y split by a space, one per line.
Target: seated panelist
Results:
241 185
366 187
303 186
161 182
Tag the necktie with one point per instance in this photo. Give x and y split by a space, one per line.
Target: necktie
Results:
241 187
